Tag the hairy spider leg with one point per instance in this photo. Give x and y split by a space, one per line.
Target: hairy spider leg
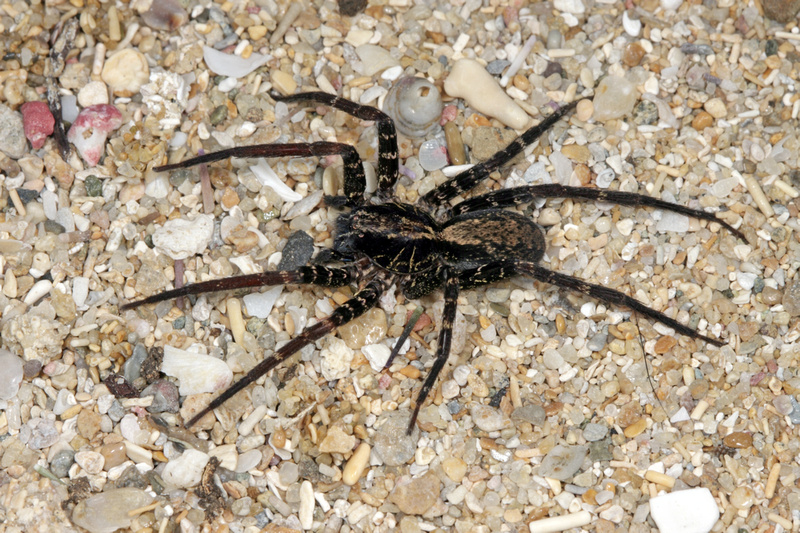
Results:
468 179
505 269
412 321
364 300
355 182
316 275
522 195
443 350
388 164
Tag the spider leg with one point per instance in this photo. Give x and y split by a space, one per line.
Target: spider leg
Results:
522 195
472 176
443 350
412 321
364 300
354 179
317 275
606 295
387 136
505 269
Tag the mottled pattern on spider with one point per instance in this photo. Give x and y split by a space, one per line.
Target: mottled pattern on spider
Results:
422 247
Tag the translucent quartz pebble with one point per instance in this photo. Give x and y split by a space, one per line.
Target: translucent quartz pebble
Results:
415 105
392 445
11 376
614 98
685 511
108 511
197 373
433 154
562 462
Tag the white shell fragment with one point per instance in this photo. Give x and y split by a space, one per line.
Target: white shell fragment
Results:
181 238
196 373
12 374
267 177
685 511
470 81
231 65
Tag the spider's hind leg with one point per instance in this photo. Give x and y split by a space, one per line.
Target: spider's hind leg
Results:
387 135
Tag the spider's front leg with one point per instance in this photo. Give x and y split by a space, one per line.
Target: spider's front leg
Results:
355 182
388 164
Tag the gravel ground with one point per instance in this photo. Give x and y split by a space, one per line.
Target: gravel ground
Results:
552 405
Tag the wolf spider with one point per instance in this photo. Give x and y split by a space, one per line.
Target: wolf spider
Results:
422 247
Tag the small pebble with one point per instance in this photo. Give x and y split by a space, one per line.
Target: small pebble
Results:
562 462
356 464
416 496
38 122
685 511
337 441
108 511
12 133
181 238
93 93
488 418
297 252
185 470
125 72
594 432
738 439
90 130
614 97
196 373
12 374
716 108
470 81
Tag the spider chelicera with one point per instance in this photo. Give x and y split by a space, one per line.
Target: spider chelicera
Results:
419 248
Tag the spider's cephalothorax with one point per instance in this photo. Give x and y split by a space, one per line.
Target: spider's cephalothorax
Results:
384 243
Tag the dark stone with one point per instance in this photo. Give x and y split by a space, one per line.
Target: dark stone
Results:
781 10
350 8
27 195
645 113
297 252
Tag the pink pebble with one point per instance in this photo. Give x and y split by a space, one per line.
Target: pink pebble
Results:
38 122
449 113
90 130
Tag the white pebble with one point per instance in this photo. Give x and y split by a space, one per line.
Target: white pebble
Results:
232 65
249 460
746 280
377 355
185 471
227 455
158 187
182 238
470 81
561 523
12 374
685 511
227 84
392 73
196 373
671 4
94 92
632 26
306 511
91 462
260 304
673 223
336 359
40 289
574 7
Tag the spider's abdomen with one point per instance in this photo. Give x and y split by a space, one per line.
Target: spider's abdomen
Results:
473 239
398 237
